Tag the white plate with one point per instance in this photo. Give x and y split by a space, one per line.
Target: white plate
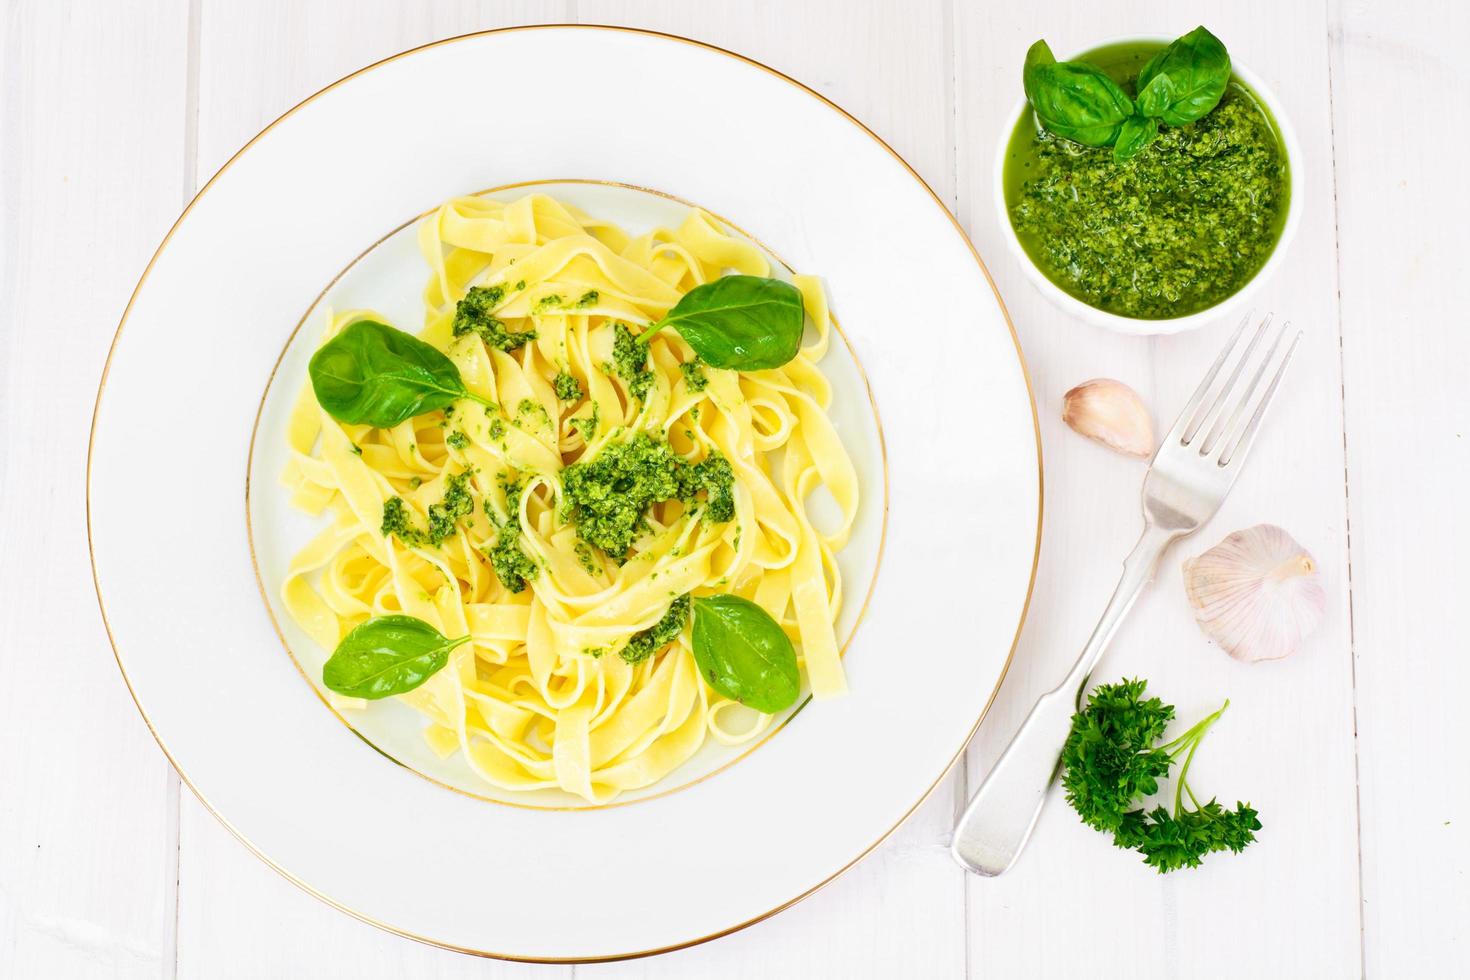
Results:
168 468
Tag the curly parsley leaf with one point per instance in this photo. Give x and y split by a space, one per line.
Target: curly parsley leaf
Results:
1111 762
1110 758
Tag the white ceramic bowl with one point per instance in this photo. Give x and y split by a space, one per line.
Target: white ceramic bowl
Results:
1130 325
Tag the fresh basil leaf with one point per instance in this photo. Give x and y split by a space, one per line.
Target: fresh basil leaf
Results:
1198 67
740 323
1156 96
744 654
1037 55
1137 132
373 374
386 656
1077 101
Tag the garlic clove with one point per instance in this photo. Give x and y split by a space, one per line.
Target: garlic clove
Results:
1256 593
1111 413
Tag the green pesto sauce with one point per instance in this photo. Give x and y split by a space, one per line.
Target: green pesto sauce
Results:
587 424
586 559
444 516
475 314
535 410
608 496
510 486
630 362
1180 227
512 566
694 377
567 387
645 643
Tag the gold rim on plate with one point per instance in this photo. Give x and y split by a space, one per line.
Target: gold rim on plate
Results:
1030 587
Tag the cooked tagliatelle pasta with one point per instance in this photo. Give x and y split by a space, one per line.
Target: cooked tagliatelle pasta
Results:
565 512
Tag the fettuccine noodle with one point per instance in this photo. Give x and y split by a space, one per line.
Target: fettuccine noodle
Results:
539 698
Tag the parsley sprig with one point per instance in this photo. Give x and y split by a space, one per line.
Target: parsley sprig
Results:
1111 760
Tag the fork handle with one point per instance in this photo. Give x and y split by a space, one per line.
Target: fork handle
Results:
1000 816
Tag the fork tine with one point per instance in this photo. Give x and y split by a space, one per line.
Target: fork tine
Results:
1217 407
1180 424
1242 444
1228 425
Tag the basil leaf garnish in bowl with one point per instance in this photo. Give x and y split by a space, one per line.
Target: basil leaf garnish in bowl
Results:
1075 100
1186 80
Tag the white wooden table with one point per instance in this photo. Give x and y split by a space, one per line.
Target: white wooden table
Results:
113 113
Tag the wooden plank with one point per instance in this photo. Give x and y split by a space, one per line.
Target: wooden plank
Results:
900 911
1075 905
1406 361
237 917
90 101
258 60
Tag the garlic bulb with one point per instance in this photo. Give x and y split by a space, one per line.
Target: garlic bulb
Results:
1256 593
1111 413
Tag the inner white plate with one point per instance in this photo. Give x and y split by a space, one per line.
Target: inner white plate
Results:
389 279
167 478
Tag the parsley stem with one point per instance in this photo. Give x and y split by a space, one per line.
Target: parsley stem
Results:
1180 744
1190 740
1183 777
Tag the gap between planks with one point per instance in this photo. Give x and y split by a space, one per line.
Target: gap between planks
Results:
1334 57
189 187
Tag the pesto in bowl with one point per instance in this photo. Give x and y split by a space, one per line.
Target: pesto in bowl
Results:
1177 229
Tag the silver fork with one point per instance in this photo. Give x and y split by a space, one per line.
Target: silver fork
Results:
1192 471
